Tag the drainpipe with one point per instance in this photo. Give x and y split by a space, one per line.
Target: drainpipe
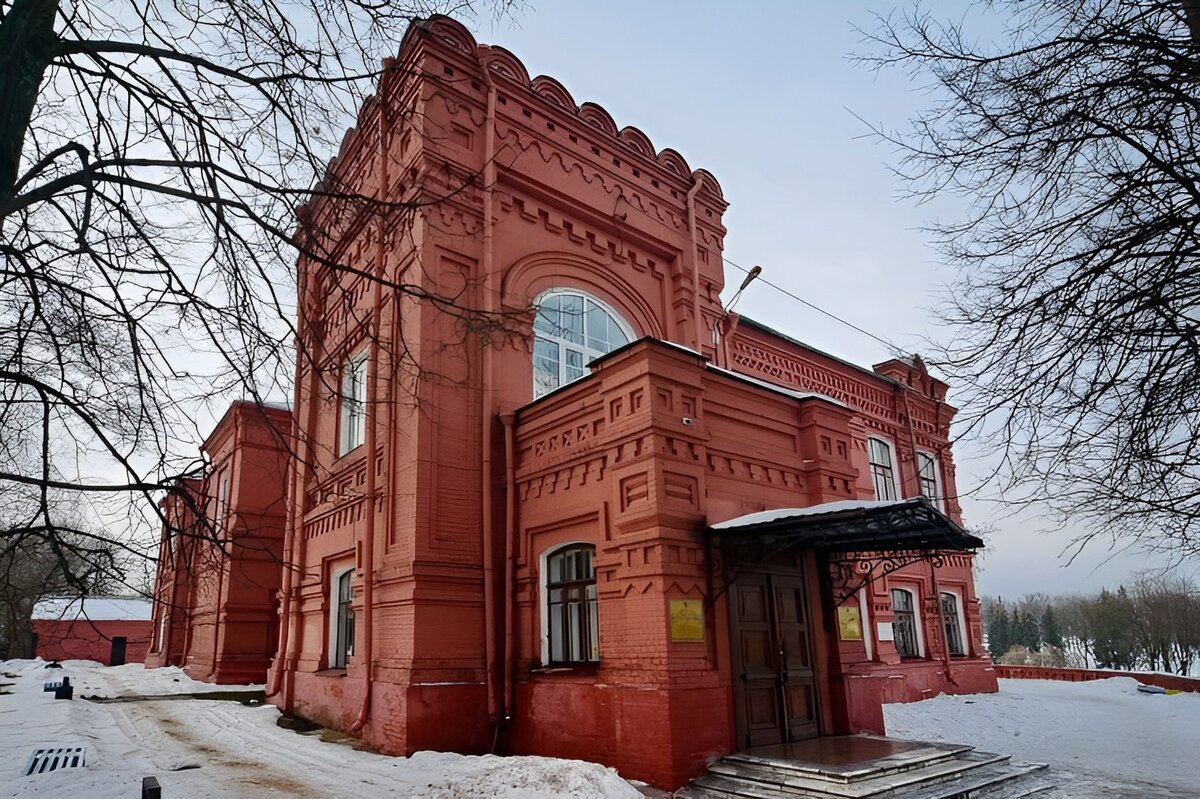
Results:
912 439
490 290
293 555
691 212
510 565
937 592
373 370
292 547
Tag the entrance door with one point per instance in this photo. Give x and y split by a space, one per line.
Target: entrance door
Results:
775 696
116 657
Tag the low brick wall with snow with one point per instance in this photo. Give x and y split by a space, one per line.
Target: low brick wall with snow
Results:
1167 681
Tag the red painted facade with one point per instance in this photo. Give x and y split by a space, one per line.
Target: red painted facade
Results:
92 639
221 554
464 483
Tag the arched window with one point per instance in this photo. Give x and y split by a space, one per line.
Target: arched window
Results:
571 328
572 629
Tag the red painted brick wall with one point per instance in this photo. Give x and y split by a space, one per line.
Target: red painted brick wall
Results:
220 567
1168 681
636 459
81 639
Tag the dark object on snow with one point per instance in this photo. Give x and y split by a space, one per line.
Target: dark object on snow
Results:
54 665
1151 689
65 691
150 788
295 723
55 686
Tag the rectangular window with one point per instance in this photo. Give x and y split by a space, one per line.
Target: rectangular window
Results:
950 618
904 627
927 469
354 403
883 474
223 502
343 636
572 618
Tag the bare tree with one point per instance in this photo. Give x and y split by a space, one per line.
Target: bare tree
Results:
1068 130
152 158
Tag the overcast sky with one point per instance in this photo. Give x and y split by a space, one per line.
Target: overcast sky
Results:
765 97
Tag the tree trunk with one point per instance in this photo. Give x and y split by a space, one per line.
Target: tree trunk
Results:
27 45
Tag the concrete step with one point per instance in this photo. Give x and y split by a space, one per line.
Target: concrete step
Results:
970 775
782 771
1000 781
881 785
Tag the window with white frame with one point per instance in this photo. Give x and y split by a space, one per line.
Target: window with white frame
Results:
883 471
341 619
904 624
572 630
927 474
353 403
953 622
160 632
222 522
571 329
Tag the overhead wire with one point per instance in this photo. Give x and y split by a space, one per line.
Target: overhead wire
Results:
891 346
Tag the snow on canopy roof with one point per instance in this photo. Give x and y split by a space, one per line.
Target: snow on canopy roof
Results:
765 516
800 395
95 608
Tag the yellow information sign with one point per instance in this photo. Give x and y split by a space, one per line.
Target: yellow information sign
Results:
687 620
849 624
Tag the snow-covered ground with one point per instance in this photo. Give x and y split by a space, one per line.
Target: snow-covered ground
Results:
203 748
1101 738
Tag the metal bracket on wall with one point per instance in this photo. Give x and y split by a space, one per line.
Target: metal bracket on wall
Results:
850 572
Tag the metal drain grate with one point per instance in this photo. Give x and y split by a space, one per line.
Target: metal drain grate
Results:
53 758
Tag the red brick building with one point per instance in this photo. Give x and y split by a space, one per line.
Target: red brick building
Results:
109 630
538 535
221 553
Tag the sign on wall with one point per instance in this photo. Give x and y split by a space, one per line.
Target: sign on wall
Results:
849 624
687 620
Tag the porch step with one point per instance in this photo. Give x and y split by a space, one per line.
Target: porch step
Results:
963 774
913 755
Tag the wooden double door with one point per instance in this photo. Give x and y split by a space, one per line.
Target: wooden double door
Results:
774 685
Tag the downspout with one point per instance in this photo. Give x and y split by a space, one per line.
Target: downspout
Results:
373 370
510 565
297 567
692 233
937 593
488 500
295 500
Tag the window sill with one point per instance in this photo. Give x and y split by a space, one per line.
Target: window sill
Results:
566 668
341 672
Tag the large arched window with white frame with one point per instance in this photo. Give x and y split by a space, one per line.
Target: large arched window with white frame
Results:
572 328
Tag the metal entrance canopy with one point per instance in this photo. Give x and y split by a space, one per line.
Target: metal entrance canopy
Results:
853 526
